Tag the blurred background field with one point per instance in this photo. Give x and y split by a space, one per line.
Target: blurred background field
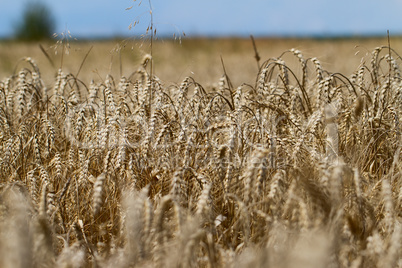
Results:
199 58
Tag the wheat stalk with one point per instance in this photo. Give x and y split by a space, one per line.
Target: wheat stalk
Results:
299 169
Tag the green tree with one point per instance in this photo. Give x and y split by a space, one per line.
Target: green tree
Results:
37 23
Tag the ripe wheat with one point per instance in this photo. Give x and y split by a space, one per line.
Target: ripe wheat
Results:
299 170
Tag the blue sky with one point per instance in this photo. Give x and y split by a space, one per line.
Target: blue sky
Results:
106 18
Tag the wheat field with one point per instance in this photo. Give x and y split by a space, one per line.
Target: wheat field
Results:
297 166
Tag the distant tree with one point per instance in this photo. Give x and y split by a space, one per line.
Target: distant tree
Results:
36 23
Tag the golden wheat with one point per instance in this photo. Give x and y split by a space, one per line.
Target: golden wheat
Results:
297 170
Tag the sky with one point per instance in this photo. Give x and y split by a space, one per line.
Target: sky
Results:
112 18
